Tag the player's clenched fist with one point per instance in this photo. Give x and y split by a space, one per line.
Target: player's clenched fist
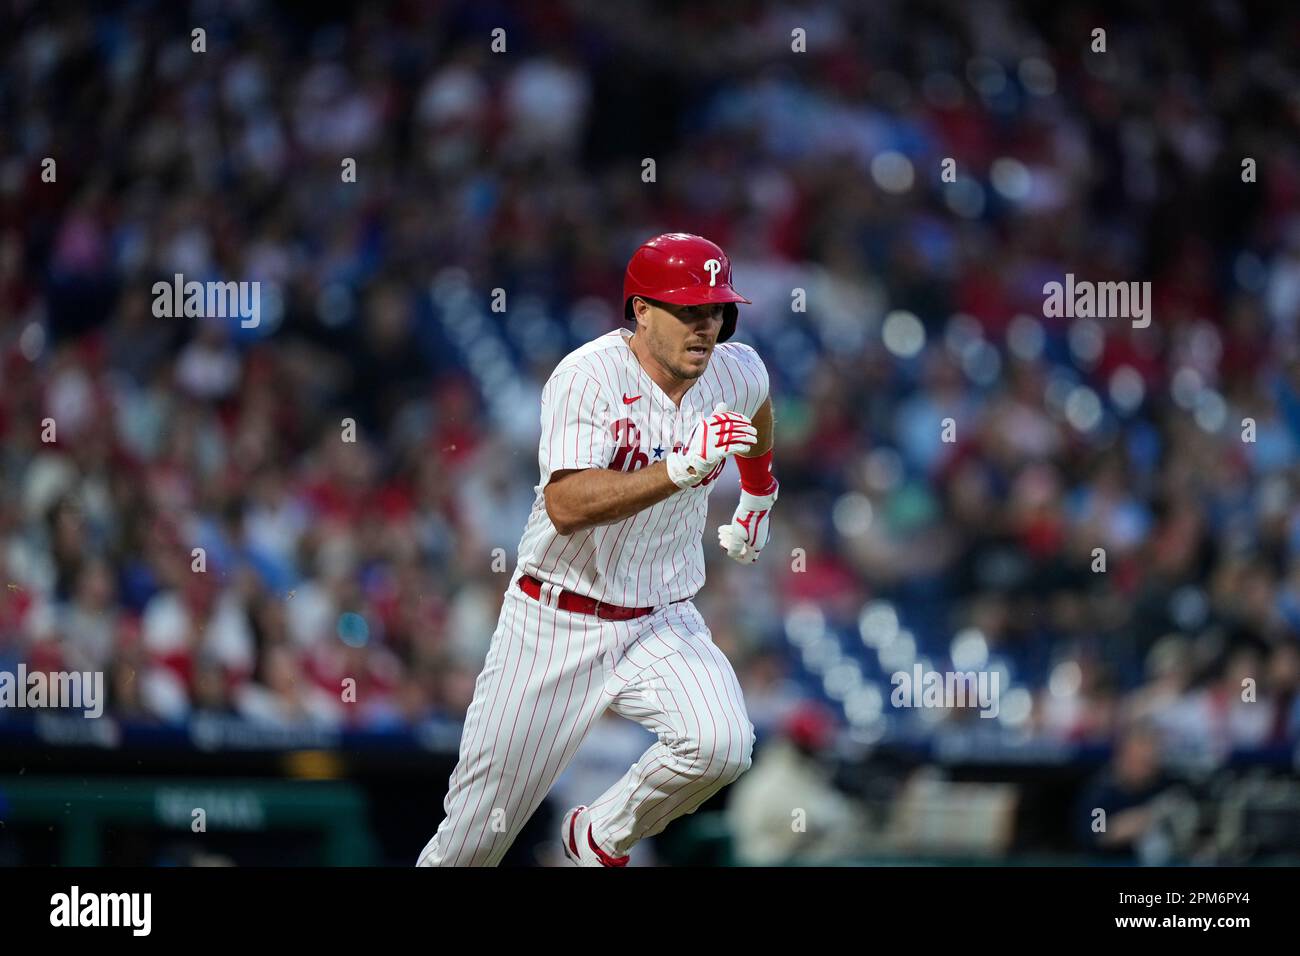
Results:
717 435
746 536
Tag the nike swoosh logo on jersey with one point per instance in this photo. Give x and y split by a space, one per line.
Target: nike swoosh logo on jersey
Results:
629 401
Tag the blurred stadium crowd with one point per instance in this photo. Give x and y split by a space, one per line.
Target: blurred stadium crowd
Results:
886 300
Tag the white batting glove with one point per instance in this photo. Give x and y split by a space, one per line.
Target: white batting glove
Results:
715 437
746 536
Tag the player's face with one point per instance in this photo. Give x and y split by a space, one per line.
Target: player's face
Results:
681 337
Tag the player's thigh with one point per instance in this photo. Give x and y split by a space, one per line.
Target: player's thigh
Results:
542 670
675 681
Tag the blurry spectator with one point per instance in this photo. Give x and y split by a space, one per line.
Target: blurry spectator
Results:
89 621
785 809
180 626
1165 700
211 689
1284 686
1132 795
281 695
1239 703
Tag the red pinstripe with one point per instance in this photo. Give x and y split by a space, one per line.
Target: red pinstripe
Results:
601 706
680 730
688 498
755 375
656 436
665 660
726 367
577 541
596 707
459 791
565 756
705 787
563 465
691 497
497 737
707 700
683 422
550 711
655 395
532 685
710 701
752 365
489 700
673 504
732 712
551 469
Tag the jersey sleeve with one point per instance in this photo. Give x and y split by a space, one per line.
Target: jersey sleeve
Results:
755 385
575 424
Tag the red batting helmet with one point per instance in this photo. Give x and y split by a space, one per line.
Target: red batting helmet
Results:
682 269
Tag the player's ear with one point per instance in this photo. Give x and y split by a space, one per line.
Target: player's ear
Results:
641 311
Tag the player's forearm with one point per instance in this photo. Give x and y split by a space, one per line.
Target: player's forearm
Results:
599 496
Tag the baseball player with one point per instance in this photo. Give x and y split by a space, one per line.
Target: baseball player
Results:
636 428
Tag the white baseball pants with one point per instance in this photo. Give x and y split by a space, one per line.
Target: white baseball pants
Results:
549 674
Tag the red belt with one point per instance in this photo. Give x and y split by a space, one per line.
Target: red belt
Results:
582 604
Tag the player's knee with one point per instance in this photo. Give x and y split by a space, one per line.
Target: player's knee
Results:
748 744
722 757
746 748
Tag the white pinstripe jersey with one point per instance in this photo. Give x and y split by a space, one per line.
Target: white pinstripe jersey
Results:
601 410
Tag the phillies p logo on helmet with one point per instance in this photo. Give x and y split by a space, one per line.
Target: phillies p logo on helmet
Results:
683 269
